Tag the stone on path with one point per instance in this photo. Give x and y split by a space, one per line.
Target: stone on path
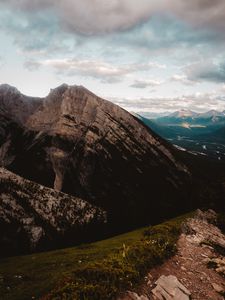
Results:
168 288
133 296
217 288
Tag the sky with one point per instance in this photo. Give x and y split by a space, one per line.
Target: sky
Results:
145 55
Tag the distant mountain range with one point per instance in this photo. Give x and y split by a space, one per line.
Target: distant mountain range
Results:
191 114
183 113
201 133
188 119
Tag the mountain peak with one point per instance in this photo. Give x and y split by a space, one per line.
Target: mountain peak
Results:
6 88
183 113
16 105
212 113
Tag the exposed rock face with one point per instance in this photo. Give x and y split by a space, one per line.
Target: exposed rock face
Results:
88 147
202 229
33 217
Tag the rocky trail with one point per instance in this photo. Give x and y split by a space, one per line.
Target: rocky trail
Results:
197 271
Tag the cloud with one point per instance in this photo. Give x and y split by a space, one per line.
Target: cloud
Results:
50 27
106 72
142 84
90 17
206 71
201 13
182 79
93 16
198 102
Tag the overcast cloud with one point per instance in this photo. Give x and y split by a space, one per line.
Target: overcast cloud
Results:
122 49
100 16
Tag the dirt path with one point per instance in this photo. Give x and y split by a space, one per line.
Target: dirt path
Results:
189 265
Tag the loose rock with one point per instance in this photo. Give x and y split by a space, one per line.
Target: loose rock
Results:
168 287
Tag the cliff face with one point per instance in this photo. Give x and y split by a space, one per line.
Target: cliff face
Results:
33 217
77 143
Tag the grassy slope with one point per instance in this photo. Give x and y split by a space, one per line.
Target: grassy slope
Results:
42 272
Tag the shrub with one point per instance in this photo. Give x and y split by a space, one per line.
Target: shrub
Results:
122 270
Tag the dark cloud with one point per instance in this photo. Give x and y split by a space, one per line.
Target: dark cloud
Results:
202 13
90 17
206 71
93 16
47 26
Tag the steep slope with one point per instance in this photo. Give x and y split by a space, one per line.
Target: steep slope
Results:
83 145
33 217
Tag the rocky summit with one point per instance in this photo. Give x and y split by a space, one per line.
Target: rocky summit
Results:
80 144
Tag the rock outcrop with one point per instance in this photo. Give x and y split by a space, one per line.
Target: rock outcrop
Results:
33 217
202 230
80 144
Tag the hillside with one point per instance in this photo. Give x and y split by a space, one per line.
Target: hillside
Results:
80 144
34 218
186 247
37 274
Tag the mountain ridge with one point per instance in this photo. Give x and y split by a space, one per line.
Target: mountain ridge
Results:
88 147
34 217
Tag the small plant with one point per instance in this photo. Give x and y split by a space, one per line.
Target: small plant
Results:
123 269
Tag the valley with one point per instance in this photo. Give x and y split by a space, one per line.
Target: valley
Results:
200 134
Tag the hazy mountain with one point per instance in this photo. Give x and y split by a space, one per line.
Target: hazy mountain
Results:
151 115
211 113
190 119
184 113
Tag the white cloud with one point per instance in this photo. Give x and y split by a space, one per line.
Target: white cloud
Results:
199 102
182 79
142 84
108 73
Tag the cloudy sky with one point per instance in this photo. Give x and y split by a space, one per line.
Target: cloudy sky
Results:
145 55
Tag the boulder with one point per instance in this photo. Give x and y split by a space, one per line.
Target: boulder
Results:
169 287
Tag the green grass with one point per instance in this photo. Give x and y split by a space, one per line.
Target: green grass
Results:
90 271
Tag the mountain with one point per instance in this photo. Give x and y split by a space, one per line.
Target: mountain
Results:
211 114
169 132
82 145
33 217
197 122
151 115
184 113
201 134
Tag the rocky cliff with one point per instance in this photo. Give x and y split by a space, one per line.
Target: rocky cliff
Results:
33 217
